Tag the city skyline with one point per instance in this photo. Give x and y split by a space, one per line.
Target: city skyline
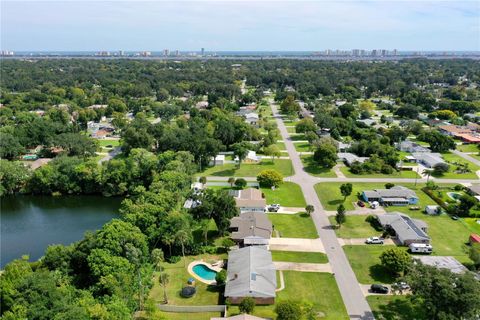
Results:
240 26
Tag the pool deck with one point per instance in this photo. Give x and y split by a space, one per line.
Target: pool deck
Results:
208 265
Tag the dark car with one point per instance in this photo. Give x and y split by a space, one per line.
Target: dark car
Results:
378 288
360 204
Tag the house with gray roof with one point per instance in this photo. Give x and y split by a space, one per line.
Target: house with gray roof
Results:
428 159
405 229
410 146
251 228
249 200
395 196
251 273
349 158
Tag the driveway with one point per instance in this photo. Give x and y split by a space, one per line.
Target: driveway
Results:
359 211
296 244
304 267
361 241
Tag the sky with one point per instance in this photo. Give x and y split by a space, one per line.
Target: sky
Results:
239 25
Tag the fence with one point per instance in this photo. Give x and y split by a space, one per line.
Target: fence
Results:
192 309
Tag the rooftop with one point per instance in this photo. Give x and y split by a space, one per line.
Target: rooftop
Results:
404 226
251 224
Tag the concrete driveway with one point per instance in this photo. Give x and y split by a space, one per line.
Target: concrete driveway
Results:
304 267
361 241
296 244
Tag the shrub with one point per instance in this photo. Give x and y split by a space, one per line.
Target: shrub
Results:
458 187
247 305
269 178
240 183
174 259
288 310
389 185
221 277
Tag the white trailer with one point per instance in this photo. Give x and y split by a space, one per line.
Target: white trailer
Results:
420 248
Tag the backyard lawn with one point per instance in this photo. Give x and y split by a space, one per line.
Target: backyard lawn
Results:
298 225
294 256
468 148
472 224
318 288
395 174
289 194
107 142
283 166
453 160
314 169
355 227
365 262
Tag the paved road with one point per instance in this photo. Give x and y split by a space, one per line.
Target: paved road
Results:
353 297
111 154
466 157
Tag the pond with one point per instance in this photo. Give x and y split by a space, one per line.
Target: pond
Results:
29 224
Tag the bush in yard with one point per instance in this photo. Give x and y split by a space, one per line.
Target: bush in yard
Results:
221 277
396 260
247 305
440 168
340 217
458 187
288 310
227 243
389 185
240 183
269 178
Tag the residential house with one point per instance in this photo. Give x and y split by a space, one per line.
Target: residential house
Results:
395 196
443 262
242 316
251 157
349 158
474 238
251 273
405 229
474 190
201 105
467 134
251 228
409 146
252 119
219 160
428 159
367 122
249 200
98 106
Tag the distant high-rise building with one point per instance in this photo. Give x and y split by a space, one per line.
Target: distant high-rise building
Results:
121 53
395 52
166 52
374 53
202 52
355 52
384 53
145 53
6 53
177 53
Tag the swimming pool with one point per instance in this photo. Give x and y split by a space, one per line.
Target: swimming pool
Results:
204 272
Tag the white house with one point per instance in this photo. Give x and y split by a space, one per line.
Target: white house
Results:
252 118
432 210
428 159
219 160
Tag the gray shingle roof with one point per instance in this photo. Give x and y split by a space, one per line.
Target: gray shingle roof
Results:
251 224
404 226
251 273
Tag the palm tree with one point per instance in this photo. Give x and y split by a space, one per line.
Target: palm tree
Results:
164 279
231 180
428 173
182 236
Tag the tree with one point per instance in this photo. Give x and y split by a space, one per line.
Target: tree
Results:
224 209
309 209
346 190
289 106
247 305
221 277
227 243
305 125
273 151
240 183
269 178
288 310
13 176
164 279
443 294
202 180
231 181
428 173
466 203
440 168
389 185
474 254
240 150
10 146
76 144
396 260
157 258
326 155
438 142
340 217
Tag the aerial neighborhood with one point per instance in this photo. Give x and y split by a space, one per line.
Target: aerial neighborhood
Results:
241 188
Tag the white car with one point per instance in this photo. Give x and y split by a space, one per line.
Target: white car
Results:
374 240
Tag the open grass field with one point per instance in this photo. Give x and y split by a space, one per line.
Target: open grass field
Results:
108 142
304 257
303 147
365 262
288 194
395 174
355 227
448 236
318 288
298 225
314 169
393 308
281 145
283 166
468 148
472 224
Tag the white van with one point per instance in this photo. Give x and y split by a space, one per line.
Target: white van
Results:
420 248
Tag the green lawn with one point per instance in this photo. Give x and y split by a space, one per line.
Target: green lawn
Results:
314 169
318 288
191 316
305 257
355 227
291 129
453 160
281 145
390 307
283 166
365 262
289 194
302 147
178 276
106 142
298 137
472 224
468 148
298 225
395 174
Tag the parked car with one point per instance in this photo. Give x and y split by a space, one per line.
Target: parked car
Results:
360 203
378 288
401 285
455 217
374 240
273 207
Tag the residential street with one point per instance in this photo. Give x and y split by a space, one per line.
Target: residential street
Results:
352 294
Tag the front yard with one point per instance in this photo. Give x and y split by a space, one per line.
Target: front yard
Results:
453 160
298 225
393 308
396 174
289 194
303 257
356 226
312 168
283 166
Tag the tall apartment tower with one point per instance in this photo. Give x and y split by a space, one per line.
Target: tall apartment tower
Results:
202 52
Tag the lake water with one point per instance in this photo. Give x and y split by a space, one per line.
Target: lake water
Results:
29 224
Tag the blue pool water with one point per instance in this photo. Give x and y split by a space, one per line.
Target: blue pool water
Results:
204 272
